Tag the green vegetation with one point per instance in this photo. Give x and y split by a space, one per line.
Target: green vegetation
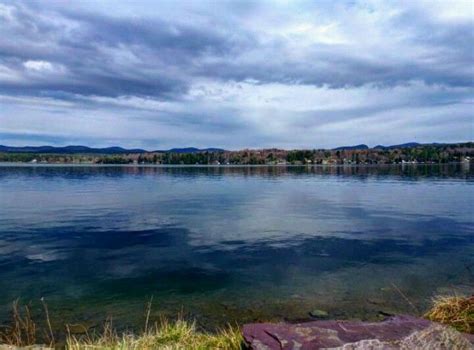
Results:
113 160
455 311
163 335
17 157
24 331
47 158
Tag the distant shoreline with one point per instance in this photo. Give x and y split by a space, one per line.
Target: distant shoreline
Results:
99 165
419 154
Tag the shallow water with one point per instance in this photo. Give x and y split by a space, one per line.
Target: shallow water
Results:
234 244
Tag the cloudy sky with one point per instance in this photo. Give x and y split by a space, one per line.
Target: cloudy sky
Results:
236 74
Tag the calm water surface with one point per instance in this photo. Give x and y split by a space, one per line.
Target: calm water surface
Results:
234 244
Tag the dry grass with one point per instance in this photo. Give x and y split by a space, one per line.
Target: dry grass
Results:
22 330
455 311
180 334
164 335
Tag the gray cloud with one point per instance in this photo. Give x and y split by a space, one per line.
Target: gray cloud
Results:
216 73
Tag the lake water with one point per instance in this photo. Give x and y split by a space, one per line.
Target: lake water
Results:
234 244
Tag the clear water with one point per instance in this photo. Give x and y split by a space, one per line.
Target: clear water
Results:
234 244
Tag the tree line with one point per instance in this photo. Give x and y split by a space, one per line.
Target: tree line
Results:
419 154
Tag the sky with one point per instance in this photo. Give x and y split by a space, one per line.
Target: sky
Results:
236 74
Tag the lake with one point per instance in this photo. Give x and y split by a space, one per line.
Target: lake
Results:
234 244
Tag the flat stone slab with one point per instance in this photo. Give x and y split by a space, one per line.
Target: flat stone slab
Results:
398 332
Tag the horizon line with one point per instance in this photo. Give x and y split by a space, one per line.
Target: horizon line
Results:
241 149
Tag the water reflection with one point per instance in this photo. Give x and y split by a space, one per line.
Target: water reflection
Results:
255 242
459 170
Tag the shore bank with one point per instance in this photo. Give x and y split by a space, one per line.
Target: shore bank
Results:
449 322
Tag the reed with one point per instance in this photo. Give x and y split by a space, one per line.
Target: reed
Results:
176 335
22 331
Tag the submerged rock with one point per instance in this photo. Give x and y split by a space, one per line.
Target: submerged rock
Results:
318 313
80 328
386 313
375 301
399 332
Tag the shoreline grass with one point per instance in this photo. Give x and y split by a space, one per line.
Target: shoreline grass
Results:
180 334
23 331
454 311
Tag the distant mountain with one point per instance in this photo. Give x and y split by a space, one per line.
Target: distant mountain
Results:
68 150
403 145
120 150
192 150
356 147
90 150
